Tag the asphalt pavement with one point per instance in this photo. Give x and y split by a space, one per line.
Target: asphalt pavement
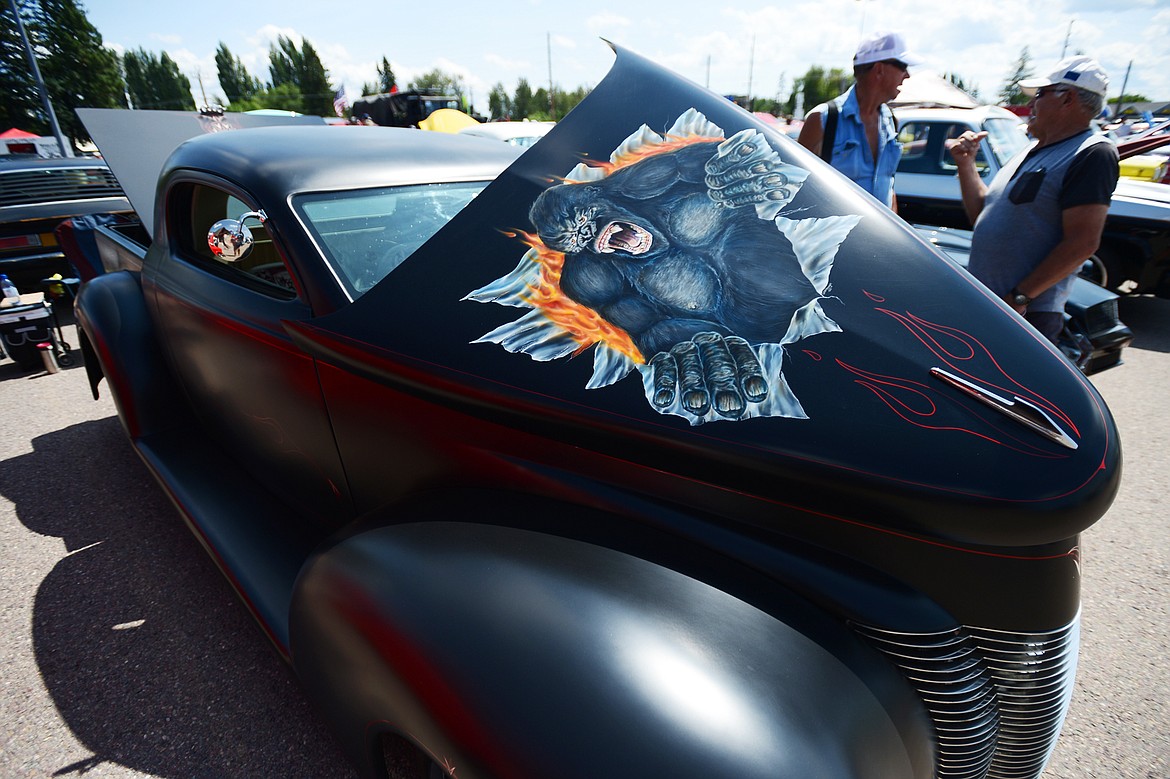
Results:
123 652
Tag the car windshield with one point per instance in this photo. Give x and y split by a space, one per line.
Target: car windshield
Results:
1007 138
366 234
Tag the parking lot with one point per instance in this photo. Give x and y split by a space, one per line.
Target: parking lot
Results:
126 655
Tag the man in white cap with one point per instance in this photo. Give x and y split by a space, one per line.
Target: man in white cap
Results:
855 132
1043 213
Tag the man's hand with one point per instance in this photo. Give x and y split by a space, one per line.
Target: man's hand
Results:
966 146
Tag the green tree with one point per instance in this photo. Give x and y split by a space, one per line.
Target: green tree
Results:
156 82
386 80
77 68
441 82
522 103
1010 93
818 85
499 102
21 106
286 97
302 69
234 79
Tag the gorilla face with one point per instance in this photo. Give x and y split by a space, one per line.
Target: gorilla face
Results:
579 219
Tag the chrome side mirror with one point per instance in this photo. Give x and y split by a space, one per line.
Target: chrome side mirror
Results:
230 240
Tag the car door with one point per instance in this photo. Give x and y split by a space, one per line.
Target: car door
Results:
254 391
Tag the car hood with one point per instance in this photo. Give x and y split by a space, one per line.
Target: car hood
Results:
136 144
657 230
1146 191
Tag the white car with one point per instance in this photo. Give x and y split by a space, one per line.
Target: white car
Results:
516 133
1135 249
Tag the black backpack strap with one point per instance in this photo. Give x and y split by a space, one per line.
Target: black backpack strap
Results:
830 135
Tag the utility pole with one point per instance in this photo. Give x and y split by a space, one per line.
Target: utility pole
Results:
66 148
552 95
1124 81
751 68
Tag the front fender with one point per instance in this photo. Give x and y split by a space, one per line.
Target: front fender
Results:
512 653
120 345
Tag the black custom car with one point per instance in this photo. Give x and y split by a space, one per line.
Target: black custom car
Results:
656 451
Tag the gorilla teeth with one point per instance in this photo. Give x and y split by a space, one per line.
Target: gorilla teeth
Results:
625 237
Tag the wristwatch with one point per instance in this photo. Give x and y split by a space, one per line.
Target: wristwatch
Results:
1019 298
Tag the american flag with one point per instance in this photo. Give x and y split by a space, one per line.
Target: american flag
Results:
340 103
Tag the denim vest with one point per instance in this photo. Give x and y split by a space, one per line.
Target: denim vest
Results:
851 154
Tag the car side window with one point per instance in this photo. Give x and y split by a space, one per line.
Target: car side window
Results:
924 149
947 162
263 270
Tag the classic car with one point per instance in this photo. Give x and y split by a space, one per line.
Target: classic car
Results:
1134 256
1093 336
655 449
37 194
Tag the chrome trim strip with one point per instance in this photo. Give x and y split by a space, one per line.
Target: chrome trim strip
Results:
1026 413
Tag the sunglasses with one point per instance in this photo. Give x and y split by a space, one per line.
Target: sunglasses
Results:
897 64
1042 91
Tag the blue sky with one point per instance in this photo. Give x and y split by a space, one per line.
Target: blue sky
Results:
726 46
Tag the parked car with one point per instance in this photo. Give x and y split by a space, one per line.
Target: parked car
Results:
657 450
1094 335
1145 167
516 133
1134 256
36 194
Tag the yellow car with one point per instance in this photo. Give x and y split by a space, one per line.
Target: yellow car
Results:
1145 167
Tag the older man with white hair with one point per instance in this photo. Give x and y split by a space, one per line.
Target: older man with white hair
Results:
1043 213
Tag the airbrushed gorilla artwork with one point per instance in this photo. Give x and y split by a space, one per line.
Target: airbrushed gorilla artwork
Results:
676 259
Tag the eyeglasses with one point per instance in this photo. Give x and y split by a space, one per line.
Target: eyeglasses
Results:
1049 90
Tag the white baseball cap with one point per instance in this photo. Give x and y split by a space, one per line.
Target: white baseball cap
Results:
884 46
1079 71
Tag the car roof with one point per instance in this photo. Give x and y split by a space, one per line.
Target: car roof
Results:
975 115
505 130
286 160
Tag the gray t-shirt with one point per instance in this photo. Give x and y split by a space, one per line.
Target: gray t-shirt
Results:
1021 218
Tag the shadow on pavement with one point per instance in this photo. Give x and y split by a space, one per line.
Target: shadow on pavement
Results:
148 656
1149 318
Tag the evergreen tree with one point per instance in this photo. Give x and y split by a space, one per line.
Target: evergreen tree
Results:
302 70
386 80
77 68
156 82
499 102
316 91
1010 93
234 79
522 103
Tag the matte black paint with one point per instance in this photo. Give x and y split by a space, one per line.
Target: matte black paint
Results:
505 540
